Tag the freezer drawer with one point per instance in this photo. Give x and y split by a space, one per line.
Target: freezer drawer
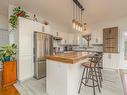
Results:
40 69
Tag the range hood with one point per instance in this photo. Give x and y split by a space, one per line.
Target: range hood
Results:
57 38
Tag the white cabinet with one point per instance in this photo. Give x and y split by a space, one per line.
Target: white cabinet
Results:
111 60
70 39
77 39
57 33
25 48
37 26
97 37
47 29
64 38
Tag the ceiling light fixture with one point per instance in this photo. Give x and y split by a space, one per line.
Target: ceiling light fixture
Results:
77 22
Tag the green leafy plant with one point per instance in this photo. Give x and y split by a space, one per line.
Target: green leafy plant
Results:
17 12
8 52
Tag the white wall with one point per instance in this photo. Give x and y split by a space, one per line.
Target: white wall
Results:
97 32
3 21
3 34
3 30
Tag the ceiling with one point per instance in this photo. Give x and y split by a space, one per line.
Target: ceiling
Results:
60 11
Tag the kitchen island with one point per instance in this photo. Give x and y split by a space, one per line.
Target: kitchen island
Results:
64 73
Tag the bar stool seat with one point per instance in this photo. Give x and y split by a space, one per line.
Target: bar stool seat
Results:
88 65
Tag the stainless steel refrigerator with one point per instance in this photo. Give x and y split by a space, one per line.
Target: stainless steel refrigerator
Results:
43 46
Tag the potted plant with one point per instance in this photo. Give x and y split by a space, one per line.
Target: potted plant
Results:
7 53
8 58
17 12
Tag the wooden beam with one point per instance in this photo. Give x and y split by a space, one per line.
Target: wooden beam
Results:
78 4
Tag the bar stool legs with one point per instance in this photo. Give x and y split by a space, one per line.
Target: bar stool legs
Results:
81 80
93 81
97 79
100 77
91 73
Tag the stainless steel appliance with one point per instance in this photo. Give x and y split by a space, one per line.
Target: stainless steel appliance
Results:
43 46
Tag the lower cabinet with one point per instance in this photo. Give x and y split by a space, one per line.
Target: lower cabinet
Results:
9 73
111 60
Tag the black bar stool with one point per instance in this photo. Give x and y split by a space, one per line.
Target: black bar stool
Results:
100 66
91 73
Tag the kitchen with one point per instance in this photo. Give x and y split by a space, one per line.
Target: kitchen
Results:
53 63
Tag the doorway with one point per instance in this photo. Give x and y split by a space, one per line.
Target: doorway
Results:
125 48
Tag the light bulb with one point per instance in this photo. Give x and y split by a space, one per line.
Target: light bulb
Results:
73 23
79 27
76 25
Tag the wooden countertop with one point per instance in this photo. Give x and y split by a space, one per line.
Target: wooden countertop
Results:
70 58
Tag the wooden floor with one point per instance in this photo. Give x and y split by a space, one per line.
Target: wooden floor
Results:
9 91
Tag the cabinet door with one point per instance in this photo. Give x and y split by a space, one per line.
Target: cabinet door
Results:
25 48
78 39
111 60
47 29
26 29
38 27
70 38
107 60
64 38
115 59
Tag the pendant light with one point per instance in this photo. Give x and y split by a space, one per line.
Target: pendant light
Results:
79 19
85 26
73 21
76 22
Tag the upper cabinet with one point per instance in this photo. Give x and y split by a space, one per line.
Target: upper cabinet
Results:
110 40
47 29
38 26
71 38
97 37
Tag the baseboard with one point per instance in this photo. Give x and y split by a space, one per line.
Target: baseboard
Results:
110 69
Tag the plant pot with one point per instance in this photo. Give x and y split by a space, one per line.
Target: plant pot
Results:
9 75
6 59
21 14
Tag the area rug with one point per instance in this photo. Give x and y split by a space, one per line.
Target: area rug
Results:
112 85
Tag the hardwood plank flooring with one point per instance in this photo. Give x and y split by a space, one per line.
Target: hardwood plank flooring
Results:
11 90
